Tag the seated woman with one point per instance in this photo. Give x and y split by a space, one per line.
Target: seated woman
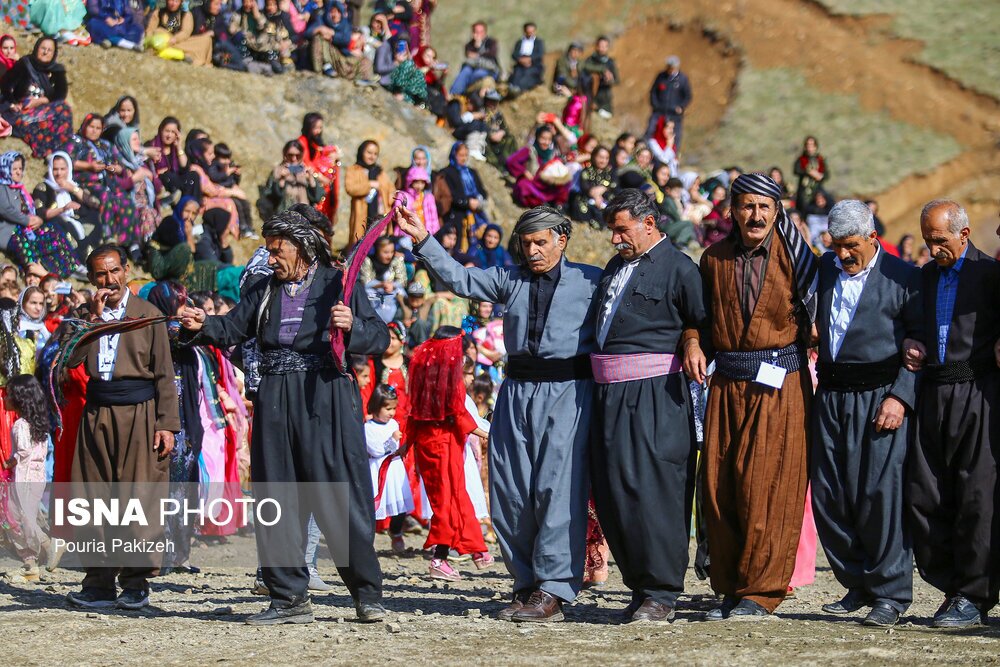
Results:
264 38
8 53
139 181
171 164
171 34
491 253
124 113
597 187
60 200
215 242
542 177
25 236
33 94
370 189
460 195
201 154
324 160
434 76
383 274
170 250
116 23
62 19
289 183
406 81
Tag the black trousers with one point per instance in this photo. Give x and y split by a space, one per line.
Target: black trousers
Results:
308 429
951 489
642 478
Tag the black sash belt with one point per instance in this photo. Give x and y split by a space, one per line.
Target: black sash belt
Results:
851 377
960 371
107 393
743 366
535 369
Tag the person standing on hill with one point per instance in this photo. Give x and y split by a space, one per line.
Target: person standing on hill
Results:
669 98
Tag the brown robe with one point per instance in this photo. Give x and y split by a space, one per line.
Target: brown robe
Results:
115 443
756 437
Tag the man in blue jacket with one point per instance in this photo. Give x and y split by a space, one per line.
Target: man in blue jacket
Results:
669 97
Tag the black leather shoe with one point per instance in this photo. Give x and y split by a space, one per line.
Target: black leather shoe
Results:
370 612
298 611
748 609
882 615
722 612
850 603
960 613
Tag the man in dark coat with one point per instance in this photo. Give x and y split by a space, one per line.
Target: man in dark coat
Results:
307 420
528 67
669 97
951 486
869 304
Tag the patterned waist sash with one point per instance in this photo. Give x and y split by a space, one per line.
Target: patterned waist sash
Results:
957 372
282 361
743 366
614 368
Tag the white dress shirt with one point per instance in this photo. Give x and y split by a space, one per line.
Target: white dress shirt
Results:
616 292
846 295
527 46
108 351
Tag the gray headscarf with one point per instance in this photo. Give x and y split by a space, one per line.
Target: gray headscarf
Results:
534 220
297 228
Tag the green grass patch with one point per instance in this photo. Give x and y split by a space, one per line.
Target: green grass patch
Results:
960 36
866 152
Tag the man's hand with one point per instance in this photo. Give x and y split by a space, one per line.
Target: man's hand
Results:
890 415
695 363
34 222
192 319
341 317
97 304
914 354
163 443
411 224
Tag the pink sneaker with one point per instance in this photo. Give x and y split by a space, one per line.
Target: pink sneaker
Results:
483 560
442 569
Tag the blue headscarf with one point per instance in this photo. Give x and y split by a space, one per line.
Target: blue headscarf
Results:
7 161
128 158
468 181
427 152
493 257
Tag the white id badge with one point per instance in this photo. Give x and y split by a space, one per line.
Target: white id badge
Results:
770 375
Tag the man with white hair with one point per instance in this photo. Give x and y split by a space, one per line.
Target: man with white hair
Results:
869 304
951 486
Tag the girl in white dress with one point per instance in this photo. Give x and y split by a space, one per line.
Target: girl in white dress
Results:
382 436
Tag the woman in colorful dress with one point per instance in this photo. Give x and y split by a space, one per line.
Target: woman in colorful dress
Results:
140 181
8 53
26 236
34 100
324 160
17 356
170 33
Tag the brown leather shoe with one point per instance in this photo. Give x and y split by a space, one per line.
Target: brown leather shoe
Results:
651 610
520 598
540 608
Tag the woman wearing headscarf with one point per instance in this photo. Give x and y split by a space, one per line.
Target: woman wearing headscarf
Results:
491 252
116 23
17 357
170 33
370 190
324 160
8 53
662 144
32 317
62 19
61 200
542 177
460 195
139 179
264 38
289 183
34 100
170 250
23 233
597 186
215 242
810 168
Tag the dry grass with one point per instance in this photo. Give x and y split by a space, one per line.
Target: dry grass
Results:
867 152
960 36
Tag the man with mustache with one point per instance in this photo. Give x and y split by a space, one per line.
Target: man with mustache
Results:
538 440
643 446
869 304
951 486
128 426
760 290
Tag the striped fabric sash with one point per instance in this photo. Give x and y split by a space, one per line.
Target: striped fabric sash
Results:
614 368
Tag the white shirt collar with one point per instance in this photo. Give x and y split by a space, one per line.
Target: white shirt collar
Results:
117 313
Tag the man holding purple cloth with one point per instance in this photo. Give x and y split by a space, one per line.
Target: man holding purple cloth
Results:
643 446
